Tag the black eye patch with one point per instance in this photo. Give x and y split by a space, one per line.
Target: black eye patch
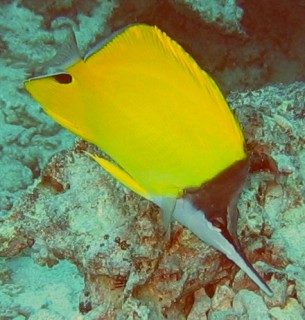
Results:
64 78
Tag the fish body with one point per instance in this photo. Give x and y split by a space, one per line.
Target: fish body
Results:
145 102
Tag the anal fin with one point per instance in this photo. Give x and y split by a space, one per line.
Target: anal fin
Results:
120 175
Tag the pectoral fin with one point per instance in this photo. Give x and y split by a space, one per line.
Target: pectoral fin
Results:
167 205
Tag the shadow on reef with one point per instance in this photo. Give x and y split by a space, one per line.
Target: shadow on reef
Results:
268 50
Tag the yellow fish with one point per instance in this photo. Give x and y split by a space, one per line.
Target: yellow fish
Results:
145 102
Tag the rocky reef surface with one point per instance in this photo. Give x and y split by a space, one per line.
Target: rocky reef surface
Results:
75 244
76 212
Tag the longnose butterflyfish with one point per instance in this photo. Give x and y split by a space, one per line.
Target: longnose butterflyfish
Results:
163 121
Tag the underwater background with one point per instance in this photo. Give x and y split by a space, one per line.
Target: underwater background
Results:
75 244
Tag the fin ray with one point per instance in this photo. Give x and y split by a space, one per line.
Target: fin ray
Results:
120 175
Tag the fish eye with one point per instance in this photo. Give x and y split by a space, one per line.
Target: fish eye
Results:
63 78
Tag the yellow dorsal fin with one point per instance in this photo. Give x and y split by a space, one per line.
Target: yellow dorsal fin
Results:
147 41
120 175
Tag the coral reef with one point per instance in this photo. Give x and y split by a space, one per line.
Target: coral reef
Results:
223 14
116 239
87 247
28 137
77 212
35 292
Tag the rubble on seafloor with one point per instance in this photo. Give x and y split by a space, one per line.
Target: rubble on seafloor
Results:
77 212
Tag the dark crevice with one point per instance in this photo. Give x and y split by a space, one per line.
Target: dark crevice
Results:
271 50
